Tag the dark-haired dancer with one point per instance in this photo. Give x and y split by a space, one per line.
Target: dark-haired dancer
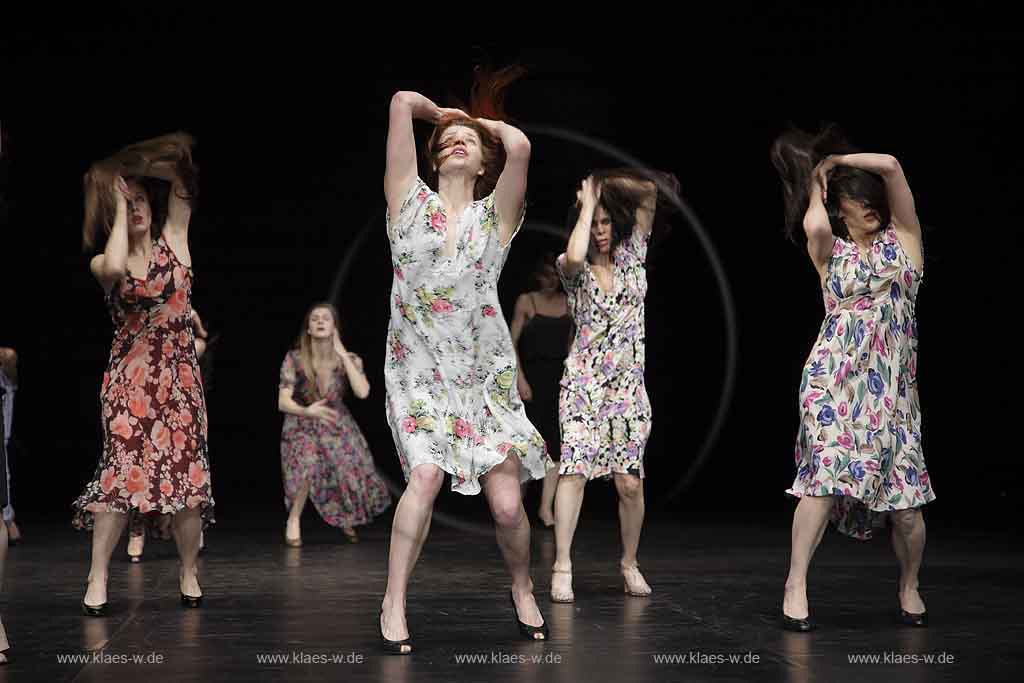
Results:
541 330
604 411
858 451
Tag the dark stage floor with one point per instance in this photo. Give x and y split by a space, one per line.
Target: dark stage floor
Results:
717 591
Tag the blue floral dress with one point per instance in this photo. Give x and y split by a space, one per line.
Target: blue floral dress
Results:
860 418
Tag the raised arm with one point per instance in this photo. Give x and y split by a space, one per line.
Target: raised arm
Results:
510 192
587 198
353 366
901 199
817 227
111 266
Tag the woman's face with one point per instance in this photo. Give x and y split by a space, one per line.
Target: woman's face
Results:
860 219
321 324
140 217
601 230
460 151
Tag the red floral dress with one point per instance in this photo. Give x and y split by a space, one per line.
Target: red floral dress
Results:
153 409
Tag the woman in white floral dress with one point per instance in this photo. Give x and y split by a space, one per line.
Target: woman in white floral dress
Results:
450 370
858 452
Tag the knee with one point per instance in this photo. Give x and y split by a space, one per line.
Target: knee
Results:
629 486
904 521
425 482
507 511
8 356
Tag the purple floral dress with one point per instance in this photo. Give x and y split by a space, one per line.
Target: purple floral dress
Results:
860 424
334 459
603 408
451 368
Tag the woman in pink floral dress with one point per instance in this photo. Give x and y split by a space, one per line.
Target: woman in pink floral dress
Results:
324 456
153 410
858 451
604 412
450 369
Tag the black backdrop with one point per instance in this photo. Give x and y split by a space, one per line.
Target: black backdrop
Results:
291 128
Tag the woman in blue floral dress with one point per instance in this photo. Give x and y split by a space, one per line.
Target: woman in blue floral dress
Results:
858 450
450 369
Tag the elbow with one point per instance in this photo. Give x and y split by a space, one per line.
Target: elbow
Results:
363 394
518 147
890 165
401 100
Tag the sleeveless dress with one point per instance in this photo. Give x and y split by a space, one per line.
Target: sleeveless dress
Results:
543 347
860 417
152 405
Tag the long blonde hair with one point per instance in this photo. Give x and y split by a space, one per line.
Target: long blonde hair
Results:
304 344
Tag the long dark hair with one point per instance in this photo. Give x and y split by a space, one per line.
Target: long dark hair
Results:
796 153
621 202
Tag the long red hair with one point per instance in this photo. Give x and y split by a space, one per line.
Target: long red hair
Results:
486 101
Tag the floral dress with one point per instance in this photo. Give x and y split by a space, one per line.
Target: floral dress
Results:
603 408
152 405
860 418
334 460
450 369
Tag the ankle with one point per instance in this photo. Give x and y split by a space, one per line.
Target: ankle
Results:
562 567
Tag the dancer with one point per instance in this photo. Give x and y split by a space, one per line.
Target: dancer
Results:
9 384
450 369
153 410
858 450
604 411
4 501
324 456
542 330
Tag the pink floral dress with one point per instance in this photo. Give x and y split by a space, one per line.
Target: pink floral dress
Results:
152 405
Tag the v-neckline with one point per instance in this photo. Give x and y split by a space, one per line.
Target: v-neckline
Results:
149 263
597 282
448 225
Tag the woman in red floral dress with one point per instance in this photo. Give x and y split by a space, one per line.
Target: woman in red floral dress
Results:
153 409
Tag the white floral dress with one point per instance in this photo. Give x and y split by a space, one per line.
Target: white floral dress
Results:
450 370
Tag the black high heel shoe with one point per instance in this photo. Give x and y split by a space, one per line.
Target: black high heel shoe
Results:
91 611
919 620
392 647
191 601
525 630
797 625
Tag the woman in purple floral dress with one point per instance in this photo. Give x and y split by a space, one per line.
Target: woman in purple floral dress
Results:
858 450
153 408
604 411
324 456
